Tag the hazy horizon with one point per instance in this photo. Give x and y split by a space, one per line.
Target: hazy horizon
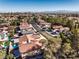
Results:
38 5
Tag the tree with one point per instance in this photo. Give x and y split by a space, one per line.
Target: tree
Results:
35 19
15 23
70 24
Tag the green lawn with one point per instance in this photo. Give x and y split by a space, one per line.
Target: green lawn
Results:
78 30
2 54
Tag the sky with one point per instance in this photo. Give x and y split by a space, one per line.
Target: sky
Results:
38 5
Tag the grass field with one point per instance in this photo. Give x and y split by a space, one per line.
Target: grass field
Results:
2 54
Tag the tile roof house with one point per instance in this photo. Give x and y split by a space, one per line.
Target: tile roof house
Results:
44 24
28 43
60 27
56 26
26 28
24 25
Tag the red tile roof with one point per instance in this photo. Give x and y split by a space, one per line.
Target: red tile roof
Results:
26 47
24 25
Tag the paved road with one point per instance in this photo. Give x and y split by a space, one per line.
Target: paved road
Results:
44 33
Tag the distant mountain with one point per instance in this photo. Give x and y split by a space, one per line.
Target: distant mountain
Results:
49 12
62 12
